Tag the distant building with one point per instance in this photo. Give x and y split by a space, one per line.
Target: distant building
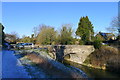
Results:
77 37
105 36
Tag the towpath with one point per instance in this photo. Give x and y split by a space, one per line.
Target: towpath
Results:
11 67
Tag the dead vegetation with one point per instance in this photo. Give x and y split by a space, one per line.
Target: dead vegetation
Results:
52 70
105 57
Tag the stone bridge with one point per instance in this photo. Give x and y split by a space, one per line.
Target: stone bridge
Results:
74 53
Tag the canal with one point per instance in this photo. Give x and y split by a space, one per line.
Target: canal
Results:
94 74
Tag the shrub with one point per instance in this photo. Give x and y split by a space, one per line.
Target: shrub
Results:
107 57
81 42
97 44
113 63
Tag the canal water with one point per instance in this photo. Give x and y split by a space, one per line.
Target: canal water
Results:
94 74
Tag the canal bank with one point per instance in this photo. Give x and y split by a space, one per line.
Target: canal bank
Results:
46 67
91 73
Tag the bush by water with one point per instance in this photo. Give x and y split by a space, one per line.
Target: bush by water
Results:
105 57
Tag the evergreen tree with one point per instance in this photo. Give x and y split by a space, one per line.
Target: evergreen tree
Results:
85 29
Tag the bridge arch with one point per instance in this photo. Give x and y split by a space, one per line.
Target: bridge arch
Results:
68 56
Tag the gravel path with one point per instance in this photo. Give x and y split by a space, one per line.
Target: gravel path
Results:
11 67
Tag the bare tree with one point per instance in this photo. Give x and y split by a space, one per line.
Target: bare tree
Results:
12 37
66 33
47 35
15 34
114 25
35 31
